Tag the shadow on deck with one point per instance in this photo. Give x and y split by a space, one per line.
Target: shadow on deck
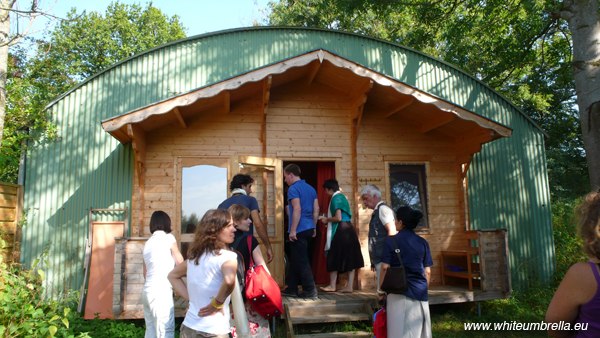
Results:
437 295
336 307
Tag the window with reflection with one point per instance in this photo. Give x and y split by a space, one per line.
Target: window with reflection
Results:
408 187
203 187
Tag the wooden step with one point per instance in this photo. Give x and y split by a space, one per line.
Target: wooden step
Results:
328 312
336 334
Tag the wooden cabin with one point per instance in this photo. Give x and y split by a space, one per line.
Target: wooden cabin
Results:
167 129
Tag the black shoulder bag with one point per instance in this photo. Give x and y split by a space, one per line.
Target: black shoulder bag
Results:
395 276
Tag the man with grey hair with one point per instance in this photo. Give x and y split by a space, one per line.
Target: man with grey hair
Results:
382 224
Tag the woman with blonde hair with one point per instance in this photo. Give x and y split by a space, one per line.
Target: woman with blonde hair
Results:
576 302
210 269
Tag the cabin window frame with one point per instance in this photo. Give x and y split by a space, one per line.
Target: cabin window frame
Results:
182 162
424 175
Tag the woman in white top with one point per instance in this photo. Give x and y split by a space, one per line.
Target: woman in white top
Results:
210 269
160 256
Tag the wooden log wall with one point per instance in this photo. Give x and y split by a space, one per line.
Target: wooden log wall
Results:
11 209
382 141
313 123
128 281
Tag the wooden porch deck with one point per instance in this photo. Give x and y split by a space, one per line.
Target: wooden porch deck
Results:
331 307
437 295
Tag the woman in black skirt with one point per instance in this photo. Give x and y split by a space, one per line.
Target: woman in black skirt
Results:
342 248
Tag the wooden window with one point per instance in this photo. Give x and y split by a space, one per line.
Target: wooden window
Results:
408 187
203 187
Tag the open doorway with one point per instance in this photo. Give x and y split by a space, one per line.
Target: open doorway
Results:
314 173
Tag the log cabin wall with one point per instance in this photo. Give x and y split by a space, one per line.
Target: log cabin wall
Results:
310 123
211 134
382 141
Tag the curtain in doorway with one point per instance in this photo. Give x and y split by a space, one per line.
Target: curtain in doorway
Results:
325 171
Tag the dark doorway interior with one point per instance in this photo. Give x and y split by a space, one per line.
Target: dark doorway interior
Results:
315 173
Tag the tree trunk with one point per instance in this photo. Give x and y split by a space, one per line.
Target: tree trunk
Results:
584 24
5 6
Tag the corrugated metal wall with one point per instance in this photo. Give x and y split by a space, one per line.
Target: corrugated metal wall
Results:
88 168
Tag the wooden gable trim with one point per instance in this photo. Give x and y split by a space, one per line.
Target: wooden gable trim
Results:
266 94
180 119
138 144
400 107
113 125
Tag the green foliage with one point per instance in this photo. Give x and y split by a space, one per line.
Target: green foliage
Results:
523 307
80 46
567 243
24 310
107 328
519 48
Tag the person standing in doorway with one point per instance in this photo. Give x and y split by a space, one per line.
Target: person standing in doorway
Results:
241 188
303 213
160 254
382 225
342 248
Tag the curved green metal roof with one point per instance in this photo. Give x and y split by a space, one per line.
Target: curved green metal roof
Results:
299 31
86 167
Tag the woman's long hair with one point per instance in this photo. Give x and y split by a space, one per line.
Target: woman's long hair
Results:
205 237
588 214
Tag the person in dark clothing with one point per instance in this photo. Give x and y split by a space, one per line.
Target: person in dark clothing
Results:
408 313
241 188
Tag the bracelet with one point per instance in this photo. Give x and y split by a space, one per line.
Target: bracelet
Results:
216 304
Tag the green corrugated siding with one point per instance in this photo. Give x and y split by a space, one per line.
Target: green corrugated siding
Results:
88 168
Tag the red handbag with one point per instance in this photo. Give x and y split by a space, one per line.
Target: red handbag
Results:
380 324
262 290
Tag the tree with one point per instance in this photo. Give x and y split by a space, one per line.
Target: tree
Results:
520 48
7 7
80 46
584 24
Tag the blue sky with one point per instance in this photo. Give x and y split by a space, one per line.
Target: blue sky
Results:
198 16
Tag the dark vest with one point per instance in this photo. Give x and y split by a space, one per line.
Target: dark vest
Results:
377 235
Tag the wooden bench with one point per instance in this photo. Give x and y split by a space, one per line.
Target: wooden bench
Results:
463 263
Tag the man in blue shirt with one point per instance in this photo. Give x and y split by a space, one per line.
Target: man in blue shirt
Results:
303 214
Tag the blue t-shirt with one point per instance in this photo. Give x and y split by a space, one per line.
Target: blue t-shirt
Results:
416 255
307 195
241 199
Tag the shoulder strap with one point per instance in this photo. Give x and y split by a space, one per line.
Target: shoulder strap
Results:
397 250
237 241
249 239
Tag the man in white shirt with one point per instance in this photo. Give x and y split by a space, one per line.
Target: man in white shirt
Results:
382 224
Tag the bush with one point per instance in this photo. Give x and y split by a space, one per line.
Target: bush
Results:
107 328
567 244
24 310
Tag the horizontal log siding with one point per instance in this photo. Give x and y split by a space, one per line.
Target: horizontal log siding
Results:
383 141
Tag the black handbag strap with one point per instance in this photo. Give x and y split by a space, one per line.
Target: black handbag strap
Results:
397 251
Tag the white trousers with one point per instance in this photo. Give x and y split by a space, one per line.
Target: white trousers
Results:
407 318
159 312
